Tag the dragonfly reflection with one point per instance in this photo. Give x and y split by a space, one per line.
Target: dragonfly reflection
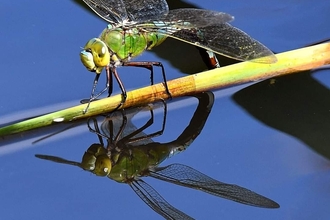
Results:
130 154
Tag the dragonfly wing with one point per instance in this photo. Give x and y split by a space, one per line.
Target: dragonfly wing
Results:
194 17
120 11
186 176
155 201
226 40
210 30
113 11
185 18
144 10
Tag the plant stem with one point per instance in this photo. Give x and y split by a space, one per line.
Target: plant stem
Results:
288 62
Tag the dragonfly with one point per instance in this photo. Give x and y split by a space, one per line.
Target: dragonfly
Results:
139 25
130 155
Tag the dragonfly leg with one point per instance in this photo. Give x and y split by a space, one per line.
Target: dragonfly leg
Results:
122 126
113 139
96 129
109 84
111 133
160 132
130 138
107 87
96 79
113 70
149 65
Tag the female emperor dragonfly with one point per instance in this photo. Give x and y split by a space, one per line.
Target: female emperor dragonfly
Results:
139 25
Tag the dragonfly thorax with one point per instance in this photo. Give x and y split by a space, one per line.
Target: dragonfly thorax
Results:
126 43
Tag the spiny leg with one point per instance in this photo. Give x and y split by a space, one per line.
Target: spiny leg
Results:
130 138
113 70
96 79
149 65
108 87
96 129
109 84
122 127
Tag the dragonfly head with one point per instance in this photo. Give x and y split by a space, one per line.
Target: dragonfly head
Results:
96 160
95 55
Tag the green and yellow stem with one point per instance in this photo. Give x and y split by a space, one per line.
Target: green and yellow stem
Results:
288 62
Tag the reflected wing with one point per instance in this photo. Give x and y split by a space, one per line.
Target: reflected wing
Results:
189 177
117 11
210 30
155 201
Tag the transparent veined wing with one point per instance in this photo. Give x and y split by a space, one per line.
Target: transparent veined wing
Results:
155 201
210 30
184 18
186 176
195 17
143 10
118 11
113 11
228 41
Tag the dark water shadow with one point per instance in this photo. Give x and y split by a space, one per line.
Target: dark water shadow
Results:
296 104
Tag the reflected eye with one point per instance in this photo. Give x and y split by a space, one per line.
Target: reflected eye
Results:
88 161
95 55
102 165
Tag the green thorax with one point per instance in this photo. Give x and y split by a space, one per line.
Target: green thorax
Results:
136 161
125 44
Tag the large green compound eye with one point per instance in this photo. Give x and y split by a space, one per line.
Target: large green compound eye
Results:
95 55
102 165
86 58
88 161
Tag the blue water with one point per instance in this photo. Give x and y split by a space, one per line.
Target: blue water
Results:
270 138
